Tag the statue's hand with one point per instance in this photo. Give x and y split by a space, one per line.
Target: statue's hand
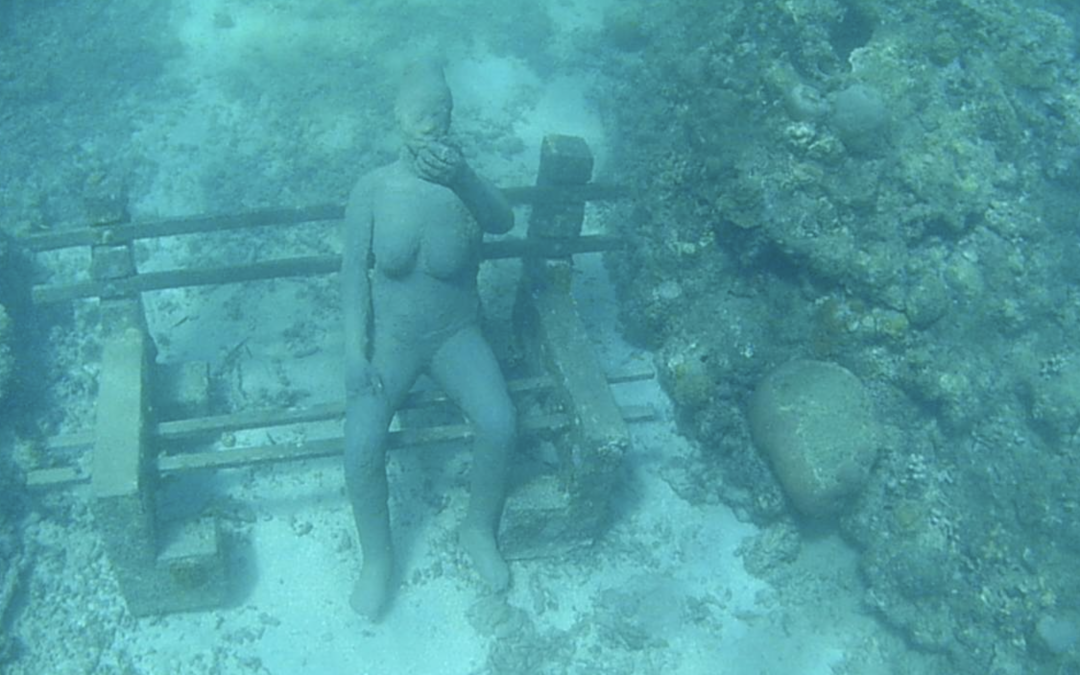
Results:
439 161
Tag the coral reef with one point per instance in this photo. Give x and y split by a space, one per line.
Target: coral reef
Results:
886 186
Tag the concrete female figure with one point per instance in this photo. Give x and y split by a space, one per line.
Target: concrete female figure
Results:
412 240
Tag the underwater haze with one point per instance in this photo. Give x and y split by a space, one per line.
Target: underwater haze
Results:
847 247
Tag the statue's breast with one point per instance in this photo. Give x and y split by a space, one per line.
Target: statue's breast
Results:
420 223
395 246
398 223
451 242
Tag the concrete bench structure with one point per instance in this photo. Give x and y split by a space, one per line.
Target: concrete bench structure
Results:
169 567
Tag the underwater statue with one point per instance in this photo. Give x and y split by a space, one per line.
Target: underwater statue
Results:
412 240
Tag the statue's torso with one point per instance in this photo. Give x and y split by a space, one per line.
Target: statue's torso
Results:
426 250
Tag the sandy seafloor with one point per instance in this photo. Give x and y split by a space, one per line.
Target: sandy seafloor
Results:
664 591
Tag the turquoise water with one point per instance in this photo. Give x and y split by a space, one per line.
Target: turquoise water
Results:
885 188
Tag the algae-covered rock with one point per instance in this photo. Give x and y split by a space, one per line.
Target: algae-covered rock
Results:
860 117
815 422
1054 398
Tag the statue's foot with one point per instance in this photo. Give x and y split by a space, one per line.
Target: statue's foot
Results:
480 544
371 592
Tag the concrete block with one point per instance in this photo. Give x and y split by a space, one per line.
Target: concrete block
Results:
182 390
191 568
565 160
111 262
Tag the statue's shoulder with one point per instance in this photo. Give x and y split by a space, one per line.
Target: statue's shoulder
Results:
367 186
377 180
370 179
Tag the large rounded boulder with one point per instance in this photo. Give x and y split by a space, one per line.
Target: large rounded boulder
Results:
815 423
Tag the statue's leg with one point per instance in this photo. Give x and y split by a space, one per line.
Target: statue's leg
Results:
367 420
466 369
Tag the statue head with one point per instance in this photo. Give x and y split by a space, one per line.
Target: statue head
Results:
424 104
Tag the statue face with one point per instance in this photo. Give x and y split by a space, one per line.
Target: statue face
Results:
423 105
422 124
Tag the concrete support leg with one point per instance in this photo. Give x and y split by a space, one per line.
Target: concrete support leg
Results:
574 508
158 571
